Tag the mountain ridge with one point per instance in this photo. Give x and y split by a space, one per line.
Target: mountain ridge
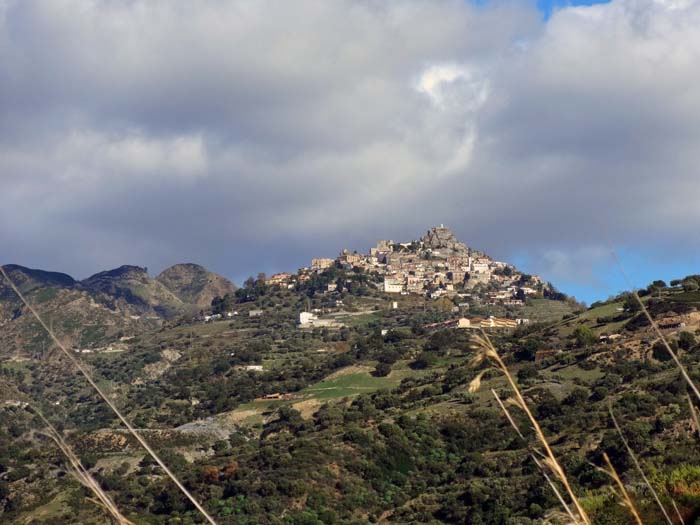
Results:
107 305
373 394
126 300
194 284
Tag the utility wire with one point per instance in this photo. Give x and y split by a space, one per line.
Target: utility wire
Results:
111 405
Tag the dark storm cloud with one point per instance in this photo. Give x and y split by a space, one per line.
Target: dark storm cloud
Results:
252 136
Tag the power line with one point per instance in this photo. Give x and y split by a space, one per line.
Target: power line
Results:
104 397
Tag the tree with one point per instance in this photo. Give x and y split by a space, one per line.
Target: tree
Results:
221 305
630 303
577 397
584 336
528 349
657 285
527 372
686 340
389 356
659 351
382 370
424 360
690 285
220 445
599 393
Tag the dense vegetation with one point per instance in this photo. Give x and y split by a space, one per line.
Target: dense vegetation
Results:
378 425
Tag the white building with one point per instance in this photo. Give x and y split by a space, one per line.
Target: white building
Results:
307 318
393 285
321 263
480 267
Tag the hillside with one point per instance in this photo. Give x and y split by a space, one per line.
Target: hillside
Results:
27 280
268 416
82 319
194 285
132 286
367 416
97 312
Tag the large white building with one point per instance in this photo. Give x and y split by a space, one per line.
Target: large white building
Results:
393 285
321 264
306 318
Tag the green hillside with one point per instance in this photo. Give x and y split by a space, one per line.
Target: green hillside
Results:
370 421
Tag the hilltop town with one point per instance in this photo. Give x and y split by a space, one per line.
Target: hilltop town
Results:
354 372
434 266
435 272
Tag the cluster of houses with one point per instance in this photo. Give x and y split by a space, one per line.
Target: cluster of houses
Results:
671 323
229 315
436 265
452 272
277 396
250 368
311 320
479 323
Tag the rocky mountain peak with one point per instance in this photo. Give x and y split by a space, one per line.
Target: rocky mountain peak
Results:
28 278
194 284
443 239
123 272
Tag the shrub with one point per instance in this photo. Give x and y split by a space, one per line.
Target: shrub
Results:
686 340
659 351
584 336
382 370
424 360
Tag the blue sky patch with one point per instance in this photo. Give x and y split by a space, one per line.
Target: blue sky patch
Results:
547 6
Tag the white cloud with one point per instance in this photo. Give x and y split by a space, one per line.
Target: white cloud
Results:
437 81
325 121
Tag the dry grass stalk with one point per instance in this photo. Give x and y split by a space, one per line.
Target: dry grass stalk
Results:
657 330
106 399
82 475
638 466
486 351
537 461
626 500
670 351
558 518
507 413
693 415
678 512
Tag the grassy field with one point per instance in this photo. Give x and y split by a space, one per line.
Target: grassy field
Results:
602 311
588 318
345 383
348 385
545 310
53 511
360 320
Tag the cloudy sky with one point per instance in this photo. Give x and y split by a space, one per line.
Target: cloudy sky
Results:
253 135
